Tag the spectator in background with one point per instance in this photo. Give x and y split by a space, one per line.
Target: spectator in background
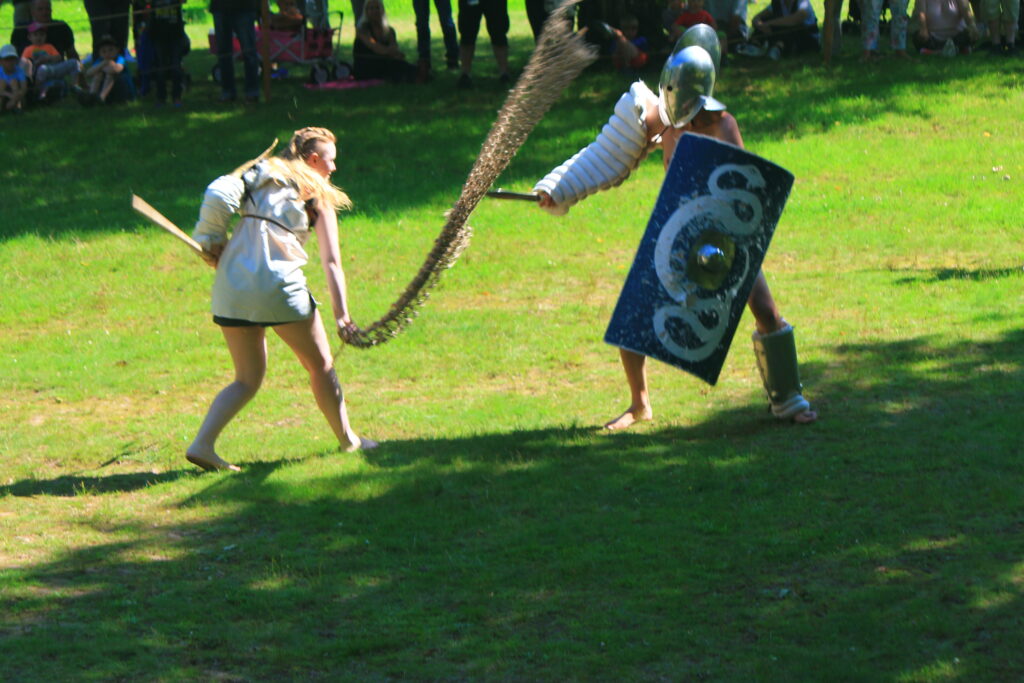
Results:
22 12
1002 17
58 33
13 82
673 8
631 49
236 18
693 13
495 12
537 12
166 27
38 51
941 23
43 63
108 18
870 13
787 27
288 16
730 19
106 77
375 53
451 39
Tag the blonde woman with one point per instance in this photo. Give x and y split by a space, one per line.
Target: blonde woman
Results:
260 283
375 52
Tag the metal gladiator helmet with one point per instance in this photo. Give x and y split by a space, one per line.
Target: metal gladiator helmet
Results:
687 80
703 36
706 37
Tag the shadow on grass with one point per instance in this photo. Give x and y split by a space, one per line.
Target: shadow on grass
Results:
388 135
975 275
881 543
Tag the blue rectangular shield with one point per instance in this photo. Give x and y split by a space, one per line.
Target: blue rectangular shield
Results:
699 257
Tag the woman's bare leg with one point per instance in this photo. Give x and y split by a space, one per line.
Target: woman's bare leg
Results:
248 347
639 409
308 340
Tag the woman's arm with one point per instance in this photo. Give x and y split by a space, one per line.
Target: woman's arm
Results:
330 259
380 47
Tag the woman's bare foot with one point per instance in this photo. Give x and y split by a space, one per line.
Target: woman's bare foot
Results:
211 462
629 418
363 444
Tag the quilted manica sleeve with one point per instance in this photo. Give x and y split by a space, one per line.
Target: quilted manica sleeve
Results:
607 161
221 202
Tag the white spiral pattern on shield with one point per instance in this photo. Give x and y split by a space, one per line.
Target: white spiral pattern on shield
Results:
719 206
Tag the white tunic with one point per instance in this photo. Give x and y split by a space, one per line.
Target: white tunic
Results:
259 275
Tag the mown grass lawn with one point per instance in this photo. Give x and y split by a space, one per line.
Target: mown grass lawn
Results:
498 534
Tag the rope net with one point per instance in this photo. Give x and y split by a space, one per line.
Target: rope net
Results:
559 56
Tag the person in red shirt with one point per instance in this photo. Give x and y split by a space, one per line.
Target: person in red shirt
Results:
693 13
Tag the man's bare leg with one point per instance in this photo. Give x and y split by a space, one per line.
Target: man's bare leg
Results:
639 409
768 320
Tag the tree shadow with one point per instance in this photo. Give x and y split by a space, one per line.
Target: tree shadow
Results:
942 274
388 135
882 542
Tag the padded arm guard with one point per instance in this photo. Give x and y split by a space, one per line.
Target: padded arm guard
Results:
776 359
606 162
221 202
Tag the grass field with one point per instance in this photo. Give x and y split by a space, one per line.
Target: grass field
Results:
498 534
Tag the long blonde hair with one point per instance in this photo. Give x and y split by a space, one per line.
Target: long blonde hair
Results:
310 184
364 21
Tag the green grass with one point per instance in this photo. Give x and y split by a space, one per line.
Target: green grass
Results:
497 534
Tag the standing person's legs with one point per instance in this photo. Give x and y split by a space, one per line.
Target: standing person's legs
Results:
635 366
174 58
248 348
98 23
870 12
898 26
496 15
1012 18
469 28
422 10
244 26
161 65
225 54
536 14
118 23
308 339
990 13
451 39
357 11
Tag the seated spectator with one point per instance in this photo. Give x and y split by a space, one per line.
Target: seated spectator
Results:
630 49
943 22
786 27
108 81
42 62
693 13
58 33
673 9
375 52
13 82
288 16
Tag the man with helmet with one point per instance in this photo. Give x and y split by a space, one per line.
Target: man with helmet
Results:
641 121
